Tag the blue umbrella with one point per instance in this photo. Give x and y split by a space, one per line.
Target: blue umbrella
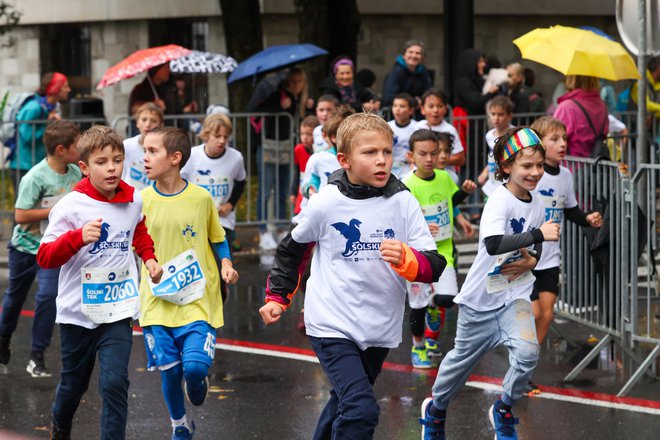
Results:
274 58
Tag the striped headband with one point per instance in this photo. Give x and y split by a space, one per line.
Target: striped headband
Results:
523 138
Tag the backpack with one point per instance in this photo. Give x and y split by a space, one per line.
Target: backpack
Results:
10 108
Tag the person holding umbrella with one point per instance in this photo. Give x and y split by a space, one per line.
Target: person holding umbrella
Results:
342 85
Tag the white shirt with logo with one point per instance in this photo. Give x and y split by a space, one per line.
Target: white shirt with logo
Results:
108 258
217 176
444 127
484 288
401 147
319 141
321 164
557 193
134 173
352 293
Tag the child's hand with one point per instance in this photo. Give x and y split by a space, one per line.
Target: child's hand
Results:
469 186
595 220
225 209
91 232
155 270
466 226
550 231
434 228
392 252
519 267
271 312
311 190
228 273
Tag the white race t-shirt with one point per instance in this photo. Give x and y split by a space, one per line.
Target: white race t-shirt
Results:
401 147
352 293
134 173
319 142
491 184
444 127
504 214
112 251
557 193
321 164
217 176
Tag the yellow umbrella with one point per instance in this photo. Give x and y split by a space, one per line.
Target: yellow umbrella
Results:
574 51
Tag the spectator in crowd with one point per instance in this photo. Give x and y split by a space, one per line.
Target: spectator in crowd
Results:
536 103
408 75
343 86
584 113
515 88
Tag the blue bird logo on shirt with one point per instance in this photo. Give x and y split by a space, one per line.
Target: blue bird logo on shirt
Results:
102 243
517 225
204 172
351 233
389 233
102 239
548 193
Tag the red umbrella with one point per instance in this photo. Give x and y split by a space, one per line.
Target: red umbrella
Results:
141 61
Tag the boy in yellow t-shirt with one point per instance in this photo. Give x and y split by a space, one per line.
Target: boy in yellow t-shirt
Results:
180 314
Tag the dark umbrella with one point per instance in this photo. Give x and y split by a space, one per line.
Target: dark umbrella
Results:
203 62
274 58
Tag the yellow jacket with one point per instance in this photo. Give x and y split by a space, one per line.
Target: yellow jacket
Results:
652 95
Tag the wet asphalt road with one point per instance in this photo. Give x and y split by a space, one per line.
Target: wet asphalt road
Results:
261 396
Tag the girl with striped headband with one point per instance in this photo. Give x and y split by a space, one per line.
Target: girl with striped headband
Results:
495 298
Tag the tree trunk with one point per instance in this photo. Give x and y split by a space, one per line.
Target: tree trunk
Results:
243 35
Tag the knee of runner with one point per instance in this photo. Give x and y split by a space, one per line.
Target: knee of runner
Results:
195 371
113 382
528 354
362 406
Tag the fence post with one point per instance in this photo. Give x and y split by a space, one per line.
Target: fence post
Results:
629 252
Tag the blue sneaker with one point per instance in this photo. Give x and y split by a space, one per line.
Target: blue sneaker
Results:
183 433
433 319
432 428
432 348
503 422
420 359
199 396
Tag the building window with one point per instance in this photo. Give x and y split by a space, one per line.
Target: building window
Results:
65 48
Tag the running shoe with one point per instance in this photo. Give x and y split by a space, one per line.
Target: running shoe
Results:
432 428
420 358
37 366
432 348
184 433
433 322
532 388
503 422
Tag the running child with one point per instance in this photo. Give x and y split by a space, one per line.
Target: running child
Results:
369 229
180 315
40 189
219 169
438 195
301 154
326 107
147 117
556 191
500 113
434 109
495 307
403 125
91 234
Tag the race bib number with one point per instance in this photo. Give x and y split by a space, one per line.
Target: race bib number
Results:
217 186
496 281
108 294
554 208
183 280
48 202
439 214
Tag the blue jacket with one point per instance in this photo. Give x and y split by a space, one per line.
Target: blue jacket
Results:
35 109
402 80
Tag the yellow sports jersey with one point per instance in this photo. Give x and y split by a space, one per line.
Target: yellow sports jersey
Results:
178 223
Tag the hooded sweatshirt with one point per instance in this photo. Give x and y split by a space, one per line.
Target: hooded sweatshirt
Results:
579 135
468 85
402 80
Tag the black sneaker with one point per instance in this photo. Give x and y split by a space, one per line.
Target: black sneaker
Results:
37 367
5 352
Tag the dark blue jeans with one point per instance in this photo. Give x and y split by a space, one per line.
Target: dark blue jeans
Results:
276 178
80 346
352 411
23 269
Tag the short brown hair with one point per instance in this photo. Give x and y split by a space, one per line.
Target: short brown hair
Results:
331 126
422 135
574 82
174 139
60 133
97 138
213 123
357 123
151 108
310 121
548 124
503 102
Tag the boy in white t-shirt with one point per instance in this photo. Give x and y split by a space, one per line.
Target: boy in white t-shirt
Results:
403 126
326 108
500 113
219 169
91 234
371 236
556 191
494 301
147 117
434 109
